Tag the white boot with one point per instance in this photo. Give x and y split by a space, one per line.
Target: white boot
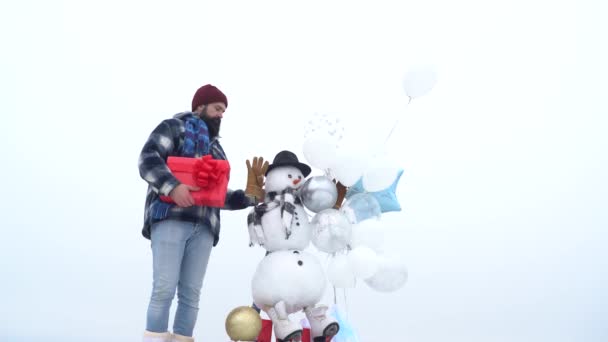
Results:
156 337
284 329
321 325
180 338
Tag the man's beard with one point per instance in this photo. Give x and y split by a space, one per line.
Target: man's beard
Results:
213 124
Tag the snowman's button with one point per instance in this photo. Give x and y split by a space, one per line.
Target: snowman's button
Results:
300 262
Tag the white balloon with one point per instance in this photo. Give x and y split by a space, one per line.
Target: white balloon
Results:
368 233
340 273
380 176
348 167
325 124
419 81
391 275
364 261
320 150
331 231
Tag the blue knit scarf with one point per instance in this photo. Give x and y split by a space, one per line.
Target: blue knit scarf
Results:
196 138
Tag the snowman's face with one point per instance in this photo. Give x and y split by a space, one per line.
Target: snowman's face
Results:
282 178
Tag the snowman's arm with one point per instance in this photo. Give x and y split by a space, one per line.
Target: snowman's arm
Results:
256 233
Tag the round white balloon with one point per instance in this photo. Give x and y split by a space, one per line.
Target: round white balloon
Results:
320 150
419 80
380 175
364 261
340 273
348 167
331 231
390 276
326 124
368 233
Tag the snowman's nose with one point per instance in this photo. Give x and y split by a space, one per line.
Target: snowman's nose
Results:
296 181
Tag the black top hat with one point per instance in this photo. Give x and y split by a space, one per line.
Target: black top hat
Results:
287 158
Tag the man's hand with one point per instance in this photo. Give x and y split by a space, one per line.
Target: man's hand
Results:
181 195
255 177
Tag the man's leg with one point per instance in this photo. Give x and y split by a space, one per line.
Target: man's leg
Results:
168 243
193 268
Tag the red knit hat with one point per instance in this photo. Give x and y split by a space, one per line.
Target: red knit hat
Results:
208 94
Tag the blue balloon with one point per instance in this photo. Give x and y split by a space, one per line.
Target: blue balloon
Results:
360 207
387 198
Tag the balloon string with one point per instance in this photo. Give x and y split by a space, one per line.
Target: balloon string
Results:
335 297
333 255
345 306
391 133
409 99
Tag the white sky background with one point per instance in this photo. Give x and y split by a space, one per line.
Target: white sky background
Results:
504 192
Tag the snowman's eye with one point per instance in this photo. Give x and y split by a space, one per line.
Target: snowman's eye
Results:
296 252
299 177
289 176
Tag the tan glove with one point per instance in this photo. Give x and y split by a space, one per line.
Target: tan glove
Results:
255 178
341 193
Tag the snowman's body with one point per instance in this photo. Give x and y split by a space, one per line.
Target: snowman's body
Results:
275 233
293 277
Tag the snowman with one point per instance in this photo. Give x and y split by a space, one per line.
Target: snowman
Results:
281 223
288 279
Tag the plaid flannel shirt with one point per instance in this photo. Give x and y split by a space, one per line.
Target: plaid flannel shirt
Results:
166 140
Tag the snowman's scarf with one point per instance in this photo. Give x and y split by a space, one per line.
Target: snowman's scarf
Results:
286 200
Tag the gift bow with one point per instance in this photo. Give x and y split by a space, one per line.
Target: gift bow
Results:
208 171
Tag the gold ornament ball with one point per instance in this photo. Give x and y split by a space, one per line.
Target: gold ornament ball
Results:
243 324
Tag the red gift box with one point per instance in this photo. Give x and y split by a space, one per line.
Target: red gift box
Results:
210 175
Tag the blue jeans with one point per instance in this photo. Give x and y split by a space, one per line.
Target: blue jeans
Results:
180 253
